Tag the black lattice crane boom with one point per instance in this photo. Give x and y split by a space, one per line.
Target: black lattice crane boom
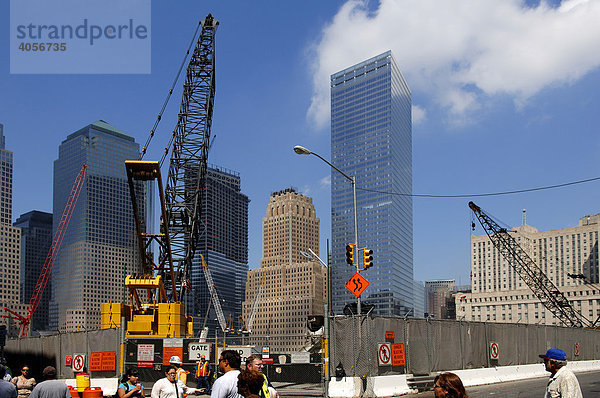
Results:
533 276
187 168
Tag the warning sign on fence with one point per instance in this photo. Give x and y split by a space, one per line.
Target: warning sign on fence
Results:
494 350
398 356
384 354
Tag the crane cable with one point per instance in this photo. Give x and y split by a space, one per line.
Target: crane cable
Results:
415 195
164 106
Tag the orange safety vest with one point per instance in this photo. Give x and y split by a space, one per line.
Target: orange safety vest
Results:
202 369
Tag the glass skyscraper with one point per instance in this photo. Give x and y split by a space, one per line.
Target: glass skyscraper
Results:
371 139
224 244
36 238
99 246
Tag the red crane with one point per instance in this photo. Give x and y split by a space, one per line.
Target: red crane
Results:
24 321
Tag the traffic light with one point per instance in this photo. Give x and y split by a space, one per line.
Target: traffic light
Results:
367 258
350 253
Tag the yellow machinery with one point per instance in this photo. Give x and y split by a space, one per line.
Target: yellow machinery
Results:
152 312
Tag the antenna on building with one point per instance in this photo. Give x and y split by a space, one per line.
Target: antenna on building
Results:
524 216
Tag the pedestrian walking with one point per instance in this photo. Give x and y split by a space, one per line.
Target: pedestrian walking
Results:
255 362
449 385
7 389
203 373
170 387
130 387
250 383
562 382
50 387
24 382
226 385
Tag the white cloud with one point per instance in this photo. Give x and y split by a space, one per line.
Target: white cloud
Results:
325 182
305 190
458 53
418 114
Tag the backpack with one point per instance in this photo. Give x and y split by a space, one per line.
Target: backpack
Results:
126 389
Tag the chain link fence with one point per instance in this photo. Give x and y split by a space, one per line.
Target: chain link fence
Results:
438 345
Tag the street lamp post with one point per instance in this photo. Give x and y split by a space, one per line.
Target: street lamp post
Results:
300 150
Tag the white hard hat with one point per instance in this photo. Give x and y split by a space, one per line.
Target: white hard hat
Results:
175 359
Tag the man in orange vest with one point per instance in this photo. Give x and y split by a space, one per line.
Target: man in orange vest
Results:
203 373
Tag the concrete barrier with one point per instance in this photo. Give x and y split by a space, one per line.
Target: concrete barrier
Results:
346 387
476 377
389 386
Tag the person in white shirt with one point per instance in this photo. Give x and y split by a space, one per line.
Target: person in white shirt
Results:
226 385
563 382
170 387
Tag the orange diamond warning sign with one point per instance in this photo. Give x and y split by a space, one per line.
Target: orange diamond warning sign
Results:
357 284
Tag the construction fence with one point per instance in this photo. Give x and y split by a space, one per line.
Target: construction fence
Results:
437 345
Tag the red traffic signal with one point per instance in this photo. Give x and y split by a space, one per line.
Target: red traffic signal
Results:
350 253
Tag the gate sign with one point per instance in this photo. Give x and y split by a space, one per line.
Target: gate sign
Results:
195 350
78 362
494 350
244 350
384 354
576 349
357 284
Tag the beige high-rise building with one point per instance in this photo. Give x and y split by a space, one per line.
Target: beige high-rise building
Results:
499 294
10 245
294 286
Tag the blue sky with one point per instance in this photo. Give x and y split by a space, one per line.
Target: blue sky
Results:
505 96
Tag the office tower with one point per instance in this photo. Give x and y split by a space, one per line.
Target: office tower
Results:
10 244
419 299
293 283
371 140
437 292
224 244
99 246
36 238
500 295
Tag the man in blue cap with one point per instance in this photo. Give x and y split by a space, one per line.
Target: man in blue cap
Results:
563 382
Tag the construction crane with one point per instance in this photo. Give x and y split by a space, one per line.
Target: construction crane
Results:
214 297
254 307
40 286
533 276
160 312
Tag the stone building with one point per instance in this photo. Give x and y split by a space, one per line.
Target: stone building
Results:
498 293
293 285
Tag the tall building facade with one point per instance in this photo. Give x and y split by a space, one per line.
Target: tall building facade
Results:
36 238
99 247
419 299
293 285
500 295
437 292
10 244
371 139
224 245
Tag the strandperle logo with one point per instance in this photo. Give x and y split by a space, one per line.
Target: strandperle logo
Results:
80 36
84 31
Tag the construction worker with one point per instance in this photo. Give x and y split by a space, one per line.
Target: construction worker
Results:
203 373
255 363
181 372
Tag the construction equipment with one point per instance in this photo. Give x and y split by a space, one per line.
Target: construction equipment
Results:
25 321
160 312
552 298
254 307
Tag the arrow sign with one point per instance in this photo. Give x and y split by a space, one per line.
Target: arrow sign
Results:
357 284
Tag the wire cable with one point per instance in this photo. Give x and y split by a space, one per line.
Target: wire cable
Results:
415 195
164 106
